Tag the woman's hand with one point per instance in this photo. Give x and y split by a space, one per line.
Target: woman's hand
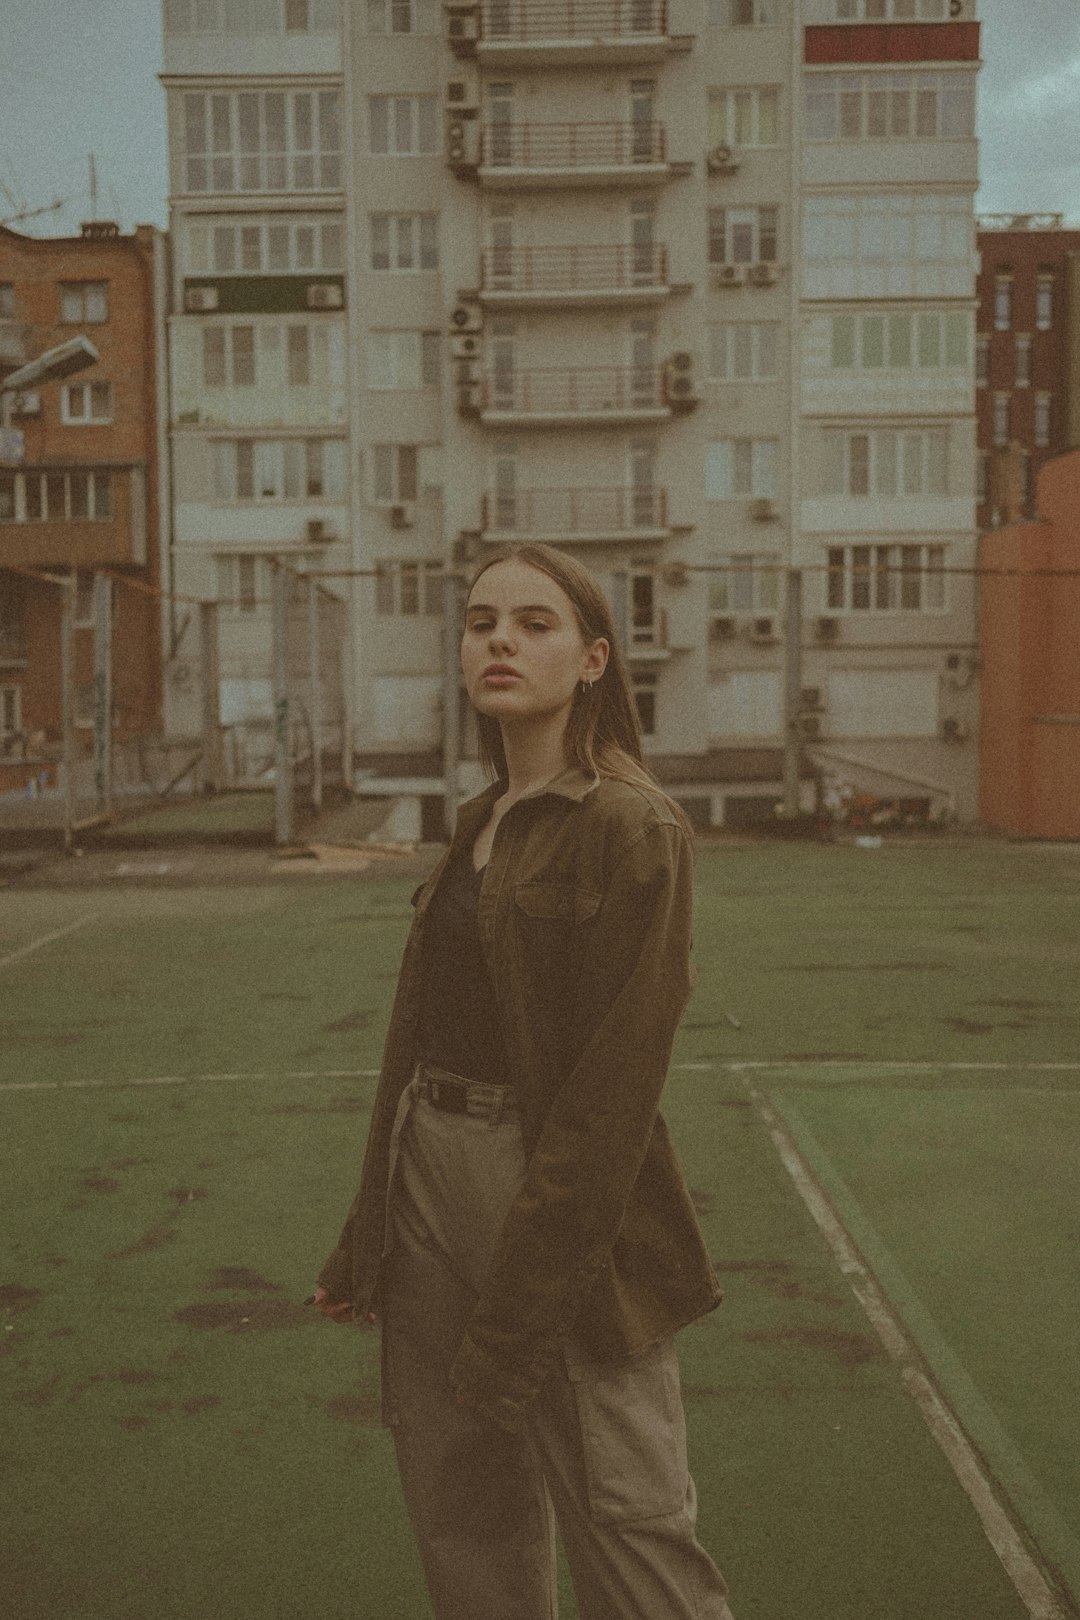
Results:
336 1313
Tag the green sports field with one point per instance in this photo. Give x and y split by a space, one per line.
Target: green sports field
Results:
875 1093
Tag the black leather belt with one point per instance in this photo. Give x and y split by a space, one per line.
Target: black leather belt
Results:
455 1094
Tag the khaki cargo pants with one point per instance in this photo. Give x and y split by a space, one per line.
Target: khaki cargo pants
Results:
606 1444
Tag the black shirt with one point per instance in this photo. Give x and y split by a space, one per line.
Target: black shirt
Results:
459 1025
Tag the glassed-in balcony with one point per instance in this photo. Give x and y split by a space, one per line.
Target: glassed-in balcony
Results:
551 396
575 276
558 515
515 156
528 32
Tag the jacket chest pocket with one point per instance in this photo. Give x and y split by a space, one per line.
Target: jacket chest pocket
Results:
560 904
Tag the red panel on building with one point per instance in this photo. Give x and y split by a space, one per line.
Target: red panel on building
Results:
892 42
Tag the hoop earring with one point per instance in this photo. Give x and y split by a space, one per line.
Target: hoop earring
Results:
586 687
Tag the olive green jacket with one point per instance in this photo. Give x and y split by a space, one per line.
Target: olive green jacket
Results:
585 918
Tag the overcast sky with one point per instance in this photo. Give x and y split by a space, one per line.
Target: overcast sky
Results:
80 76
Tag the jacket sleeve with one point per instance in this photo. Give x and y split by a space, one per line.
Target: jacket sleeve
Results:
635 982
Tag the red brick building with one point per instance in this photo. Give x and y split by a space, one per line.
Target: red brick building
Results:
1027 355
1030 610
86 493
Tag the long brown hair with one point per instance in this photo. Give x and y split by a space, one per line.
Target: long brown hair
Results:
603 733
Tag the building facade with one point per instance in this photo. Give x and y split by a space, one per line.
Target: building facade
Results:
1027 357
87 494
686 289
259 412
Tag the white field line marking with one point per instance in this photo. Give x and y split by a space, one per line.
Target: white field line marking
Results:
915 1067
46 939
1027 1578
186 1079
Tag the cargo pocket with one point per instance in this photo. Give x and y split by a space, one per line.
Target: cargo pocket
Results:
556 902
633 1433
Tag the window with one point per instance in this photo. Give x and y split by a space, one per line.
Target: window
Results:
743 351
743 117
10 710
742 13
279 469
886 579
298 351
394 473
742 235
1002 418
740 467
898 341
311 16
887 462
228 356
7 300
747 584
1042 421
894 228
982 489
84 302
404 242
890 10
257 248
1003 298
1022 361
402 17
87 402
262 140
982 360
1044 301
81 495
890 106
240 17
404 359
244 583
408 588
403 125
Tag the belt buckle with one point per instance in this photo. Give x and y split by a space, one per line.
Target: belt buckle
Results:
450 1095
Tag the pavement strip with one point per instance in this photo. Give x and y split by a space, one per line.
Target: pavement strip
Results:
46 939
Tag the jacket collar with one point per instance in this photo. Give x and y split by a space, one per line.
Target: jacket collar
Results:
573 783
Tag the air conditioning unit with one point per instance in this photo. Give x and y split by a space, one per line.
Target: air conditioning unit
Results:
317 532
764 274
722 629
467 317
199 300
810 697
828 629
462 24
730 275
465 346
402 515
723 160
763 510
680 381
325 295
676 574
27 404
462 142
952 730
462 99
762 631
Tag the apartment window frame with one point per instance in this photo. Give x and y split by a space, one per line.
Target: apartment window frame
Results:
744 351
738 469
96 398
405 358
1043 420
411 237
982 478
56 495
746 235
1003 301
419 17
751 583
280 471
1022 342
395 473
1044 301
895 104
84 303
1001 418
887 463
888 228
253 247
887 577
210 17
247 142
890 10
900 340
243 584
408 588
229 354
737 113
403 125
742 13
10 709
982 360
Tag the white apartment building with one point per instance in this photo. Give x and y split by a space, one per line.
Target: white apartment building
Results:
688 288
259 406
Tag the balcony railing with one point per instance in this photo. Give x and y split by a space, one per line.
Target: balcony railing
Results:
573 146
574 511
572 19
573 269
563 391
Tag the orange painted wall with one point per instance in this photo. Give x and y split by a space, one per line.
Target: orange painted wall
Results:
1030 635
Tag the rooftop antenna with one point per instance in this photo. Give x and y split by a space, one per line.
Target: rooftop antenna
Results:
93 186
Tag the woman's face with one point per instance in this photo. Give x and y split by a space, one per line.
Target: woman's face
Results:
516 615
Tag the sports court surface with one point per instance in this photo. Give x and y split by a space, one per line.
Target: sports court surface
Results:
875 1094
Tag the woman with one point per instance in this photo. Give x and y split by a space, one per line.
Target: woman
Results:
522 1227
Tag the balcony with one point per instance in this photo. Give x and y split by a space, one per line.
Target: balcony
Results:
558 396
575 277
528 33
93 516
556 516
536 156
